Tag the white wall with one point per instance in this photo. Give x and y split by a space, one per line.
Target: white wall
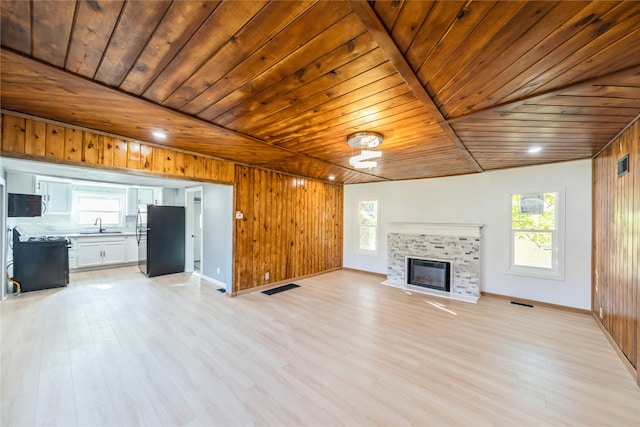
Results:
483 199
217 233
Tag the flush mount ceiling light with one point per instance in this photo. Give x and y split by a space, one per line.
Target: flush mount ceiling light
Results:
362 160
535 149
365 140
159 134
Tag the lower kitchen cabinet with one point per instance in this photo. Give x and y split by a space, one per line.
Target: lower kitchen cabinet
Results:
92 252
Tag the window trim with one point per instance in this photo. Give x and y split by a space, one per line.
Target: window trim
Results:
557 272
358 250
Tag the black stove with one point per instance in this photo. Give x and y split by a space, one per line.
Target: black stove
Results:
40 262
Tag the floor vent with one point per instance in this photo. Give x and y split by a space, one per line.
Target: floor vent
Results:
280 289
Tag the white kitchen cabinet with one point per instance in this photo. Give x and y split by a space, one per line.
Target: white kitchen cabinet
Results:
131 249
21 183
145 196
137 196
56 196
98 251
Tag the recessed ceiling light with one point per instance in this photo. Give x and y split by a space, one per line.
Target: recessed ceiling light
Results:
159 134
332 178
535 150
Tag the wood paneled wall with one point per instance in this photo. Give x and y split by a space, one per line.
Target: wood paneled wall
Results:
616 243
41 140
292 227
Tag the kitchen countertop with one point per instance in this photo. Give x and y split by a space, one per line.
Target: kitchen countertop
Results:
107 234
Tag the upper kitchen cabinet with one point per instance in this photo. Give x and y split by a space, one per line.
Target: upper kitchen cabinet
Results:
142 196
56 196
21 183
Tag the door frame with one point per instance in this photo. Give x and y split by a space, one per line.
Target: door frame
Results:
190 227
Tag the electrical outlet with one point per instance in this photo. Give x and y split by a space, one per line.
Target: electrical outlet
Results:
601 315
218 270
266 276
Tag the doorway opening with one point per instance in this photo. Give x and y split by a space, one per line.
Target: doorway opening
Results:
193 254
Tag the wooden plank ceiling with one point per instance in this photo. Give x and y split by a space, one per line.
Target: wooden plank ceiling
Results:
455 87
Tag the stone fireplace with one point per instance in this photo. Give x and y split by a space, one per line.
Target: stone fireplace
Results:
434 245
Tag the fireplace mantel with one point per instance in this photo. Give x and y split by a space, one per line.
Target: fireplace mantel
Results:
435 228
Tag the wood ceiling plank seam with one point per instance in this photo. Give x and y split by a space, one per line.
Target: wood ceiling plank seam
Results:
560 118
167 39
605 101
318 68
441 19
616 136
490 64
514 76
367 68
262 27
350 125
371 21
51 30
469 42
325 121
271 52
583 110
285 68
315 114
114 29
213 33
388 11
114 72
172 119
551 67
16 26
94 26
551 93
279 165
410 19
594 67
345 128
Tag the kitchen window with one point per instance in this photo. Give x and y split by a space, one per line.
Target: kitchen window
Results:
537 234
108 206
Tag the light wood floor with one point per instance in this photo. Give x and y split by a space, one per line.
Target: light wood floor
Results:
120 349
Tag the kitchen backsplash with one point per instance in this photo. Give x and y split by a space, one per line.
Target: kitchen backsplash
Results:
59 225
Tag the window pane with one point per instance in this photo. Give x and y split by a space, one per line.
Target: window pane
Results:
533 249
367 238
89 218
368 225
98 204
369 213
533 211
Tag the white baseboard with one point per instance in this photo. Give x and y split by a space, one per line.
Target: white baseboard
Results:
213 281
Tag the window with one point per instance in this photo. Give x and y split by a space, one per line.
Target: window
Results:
537 237
91 205
368 227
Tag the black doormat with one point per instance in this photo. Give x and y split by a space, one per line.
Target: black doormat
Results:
280 289
223 290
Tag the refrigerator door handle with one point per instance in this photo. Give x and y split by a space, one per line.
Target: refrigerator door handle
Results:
138 236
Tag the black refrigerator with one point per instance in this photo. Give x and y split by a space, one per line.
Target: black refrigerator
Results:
160 232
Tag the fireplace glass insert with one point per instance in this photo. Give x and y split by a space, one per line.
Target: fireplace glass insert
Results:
429 274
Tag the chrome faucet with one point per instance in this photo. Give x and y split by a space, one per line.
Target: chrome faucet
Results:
100 230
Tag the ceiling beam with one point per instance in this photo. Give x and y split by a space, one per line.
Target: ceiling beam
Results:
595 81
374 26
